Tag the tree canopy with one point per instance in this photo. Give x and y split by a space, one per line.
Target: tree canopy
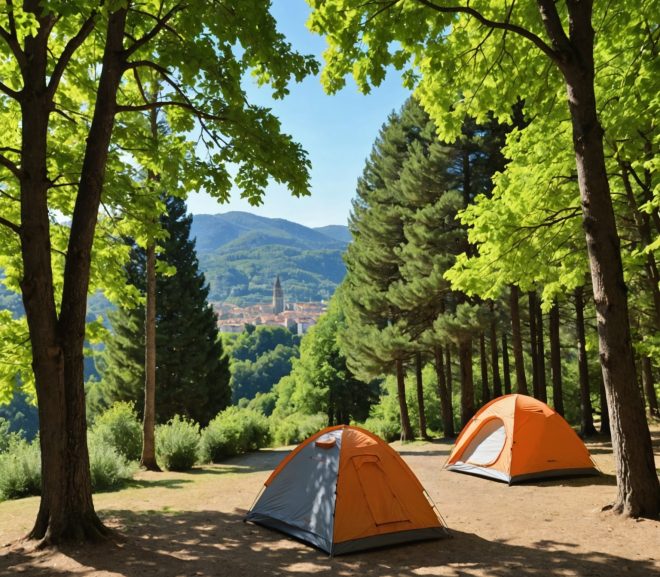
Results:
486 58
78 84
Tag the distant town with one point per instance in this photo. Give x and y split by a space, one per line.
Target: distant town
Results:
297 317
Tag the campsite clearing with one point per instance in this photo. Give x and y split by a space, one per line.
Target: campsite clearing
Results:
190 524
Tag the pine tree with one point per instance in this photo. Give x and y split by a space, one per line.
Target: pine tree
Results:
406 236
437 181
192 374
376 340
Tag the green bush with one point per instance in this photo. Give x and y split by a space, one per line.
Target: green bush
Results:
7 439
20 469
234 431
296 428
177 444
385 429
120 428
108 467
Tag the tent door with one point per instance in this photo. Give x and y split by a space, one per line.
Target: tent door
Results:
382 502
487 444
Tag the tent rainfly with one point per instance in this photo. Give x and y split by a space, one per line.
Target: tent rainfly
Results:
344 490
518 438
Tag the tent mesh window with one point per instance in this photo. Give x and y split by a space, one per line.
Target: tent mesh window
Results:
487 444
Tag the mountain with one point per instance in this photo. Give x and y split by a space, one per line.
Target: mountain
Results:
242 253
336 231
238 230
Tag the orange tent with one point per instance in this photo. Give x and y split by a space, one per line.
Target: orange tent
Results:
518 438
343 490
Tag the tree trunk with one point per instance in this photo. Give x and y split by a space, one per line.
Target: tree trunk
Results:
604 413
649 387
637 480
485 391
467 382
506 369
420 396
449 381
446 409
555 360
148 458
540 353
532 344
494 354
66 511
406 430
586 412
519 360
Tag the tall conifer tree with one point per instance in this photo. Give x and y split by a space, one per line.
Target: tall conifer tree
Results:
192 374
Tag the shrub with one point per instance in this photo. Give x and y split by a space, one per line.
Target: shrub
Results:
385 429
20 469
263 403
7 438
296 428
234 431
177 444
120 428
108 467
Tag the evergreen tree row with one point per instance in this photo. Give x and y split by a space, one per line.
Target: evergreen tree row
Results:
512 330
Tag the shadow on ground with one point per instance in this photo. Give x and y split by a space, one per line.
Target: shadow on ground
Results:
152 483
209 543
578 481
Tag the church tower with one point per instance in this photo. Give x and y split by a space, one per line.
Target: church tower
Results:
278 297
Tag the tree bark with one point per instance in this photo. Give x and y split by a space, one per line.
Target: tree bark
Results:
446 409
485 391
532 344
555 360
540 353
604 413
420 396
586 412
467 382
506 369
148 458
649 387
494 354
406 430
66 511
519 360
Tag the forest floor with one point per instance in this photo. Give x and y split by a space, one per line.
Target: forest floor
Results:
190 524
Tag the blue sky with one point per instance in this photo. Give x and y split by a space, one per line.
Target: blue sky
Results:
336 131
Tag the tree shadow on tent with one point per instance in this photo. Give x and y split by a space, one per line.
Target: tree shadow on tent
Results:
211 543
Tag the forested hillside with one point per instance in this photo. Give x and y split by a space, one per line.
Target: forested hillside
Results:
241 254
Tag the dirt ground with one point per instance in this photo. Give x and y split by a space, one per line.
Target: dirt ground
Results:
187 525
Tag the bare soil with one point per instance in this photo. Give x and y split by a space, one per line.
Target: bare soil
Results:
190 524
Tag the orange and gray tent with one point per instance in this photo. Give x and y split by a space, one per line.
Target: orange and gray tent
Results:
344 490
518 438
